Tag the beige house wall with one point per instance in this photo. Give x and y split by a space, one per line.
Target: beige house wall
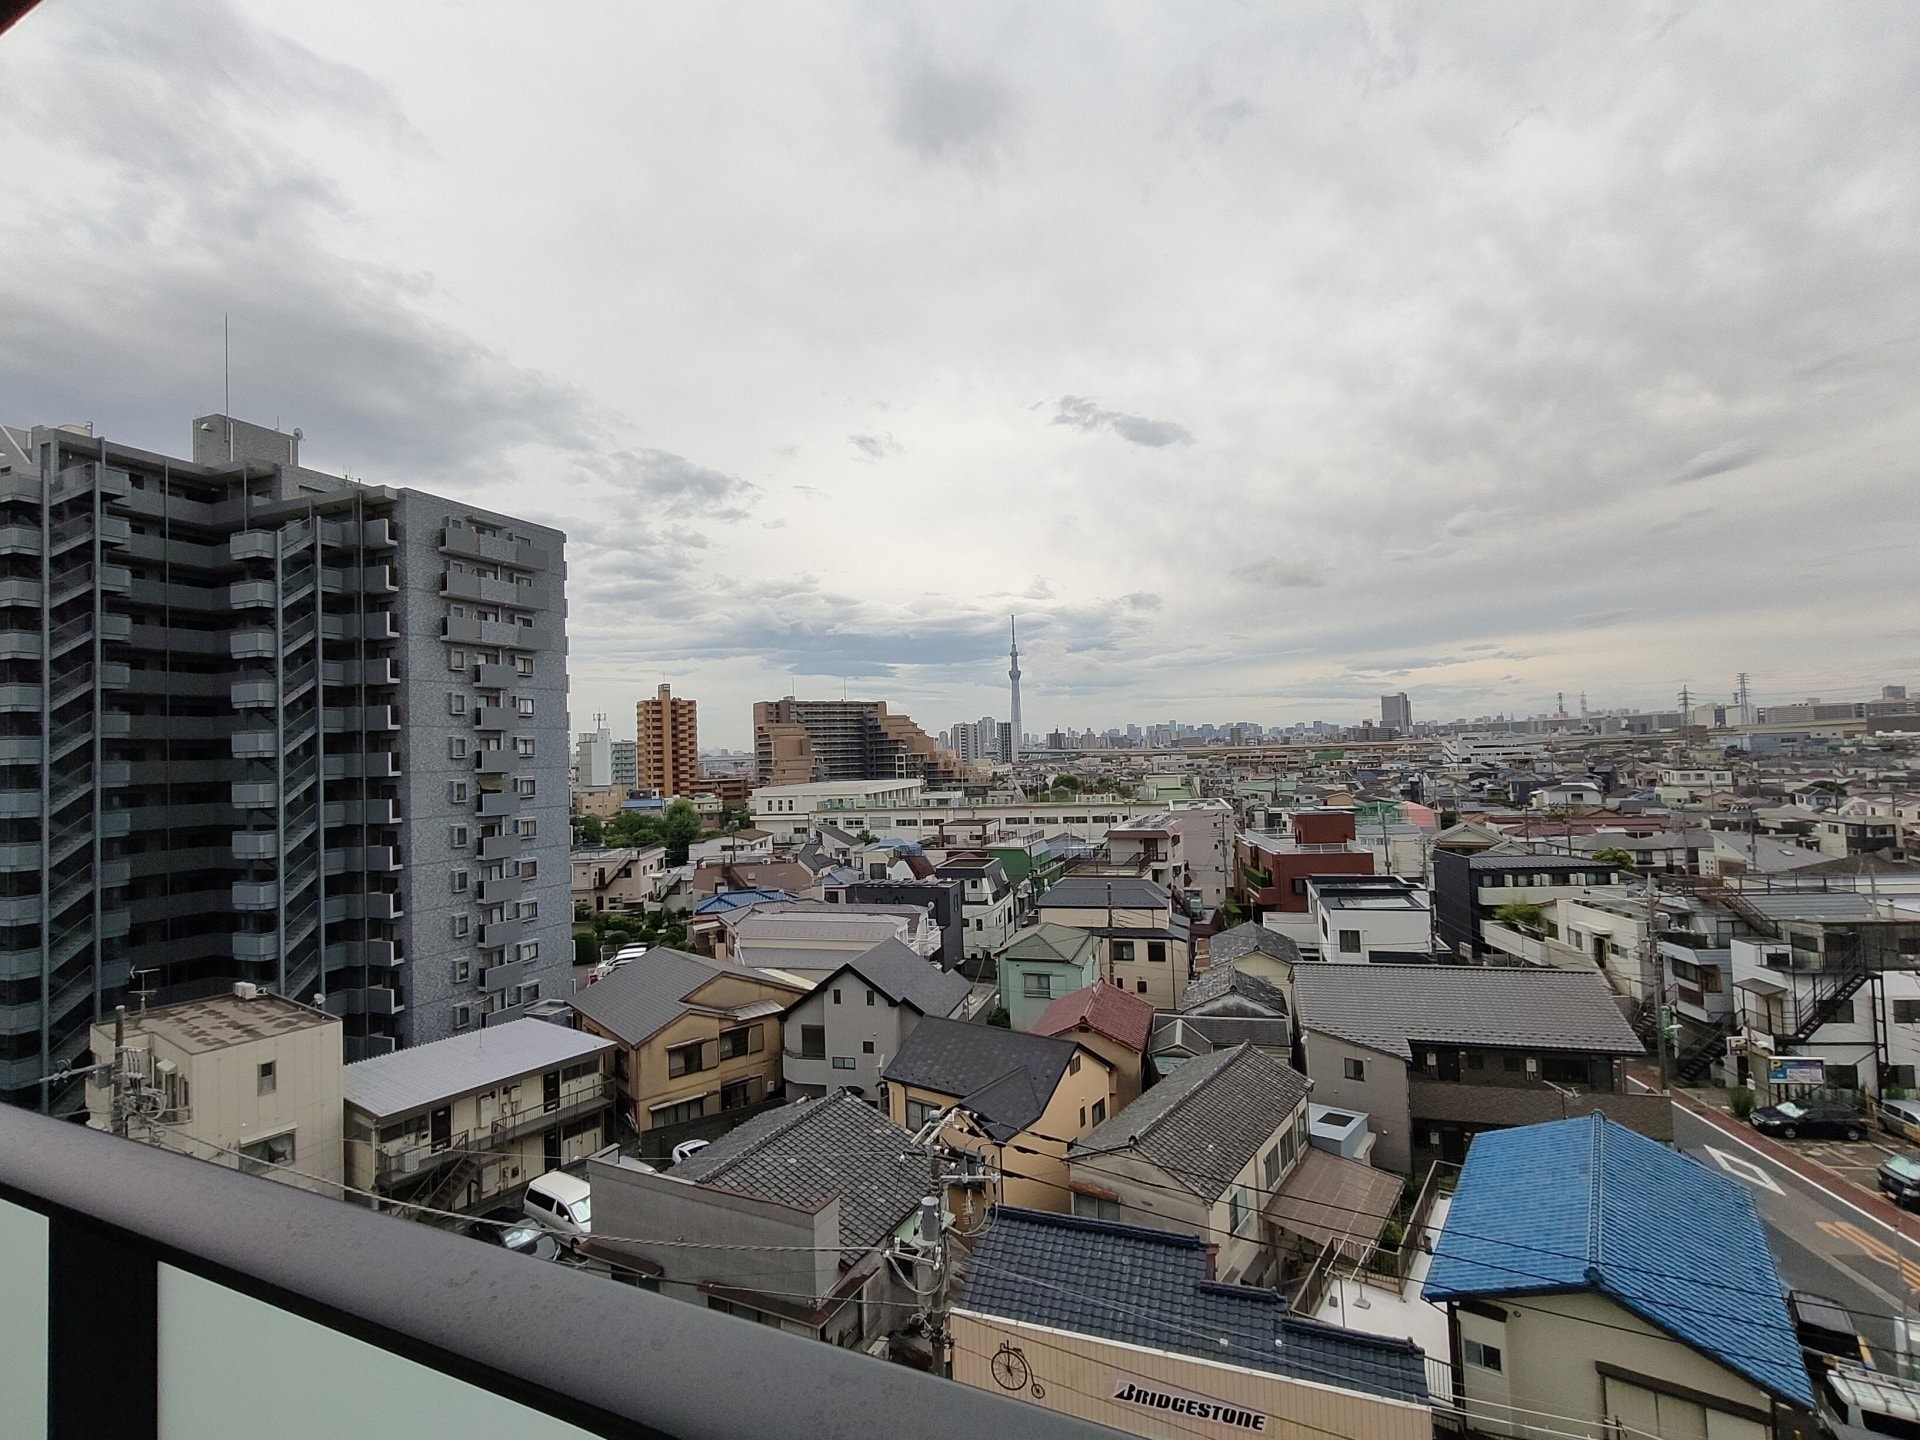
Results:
1080 1374
1381 1096
1548 1365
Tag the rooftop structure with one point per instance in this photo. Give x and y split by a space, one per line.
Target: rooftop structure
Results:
411 1079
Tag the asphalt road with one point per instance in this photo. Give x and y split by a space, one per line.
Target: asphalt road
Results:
1822 1242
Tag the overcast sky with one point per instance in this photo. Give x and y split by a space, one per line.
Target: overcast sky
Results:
1262 358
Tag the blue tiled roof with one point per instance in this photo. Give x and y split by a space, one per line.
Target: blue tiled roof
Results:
1590 1205
727 900
1150 1288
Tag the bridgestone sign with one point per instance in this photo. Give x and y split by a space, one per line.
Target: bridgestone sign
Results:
1128 1391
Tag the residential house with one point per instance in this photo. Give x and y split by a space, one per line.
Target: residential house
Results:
1680 785
1435 1054
786 1220
1206 830
694 1042
1254 948
1171 1351
842 1033
1019 1100
1367 918
465 1120
1152 848
1146 942
1200 1153
1598 1284
249 1080
618 879
1470 889
809 939
941 898
1110 1022
711 877
986 901
1042 963
1737 853
1274 869
1844 835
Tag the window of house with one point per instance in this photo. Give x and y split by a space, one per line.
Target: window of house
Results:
523 786
1475 1060
1843 1077
1513 1064
869 997
735 1042
1038 985
685 1059
457 836
1270 1168
813 1042
1349 942
1157 951
836 994
919 1112
1073 1064
1095 1207
269 1079
1123 952
457 881
1906 1012
866 1047
1299 887
1485 1357
1354 1068
462 1017
736 1093
678 1114
530 910
1140 986
527 950
1099 1111
523 746
523 664
844 1062
1564 1069
1240 1209
1842 1014
259 1156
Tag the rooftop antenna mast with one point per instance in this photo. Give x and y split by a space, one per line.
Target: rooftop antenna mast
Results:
226 380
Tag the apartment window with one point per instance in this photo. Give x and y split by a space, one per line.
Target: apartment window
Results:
526 994
530 910
1157 952
1299 887
737 1042
459 925
462 970
523 746
456 659
1099 1111
456 703
736 1093
813 1042
523 786
523 664
462 1017
1842 1014
866 1047
523 704
1349 942
1476 1061
843 1062
686 1059
268 1080
457 836
456 747
526 828
919 1112
456 792
260 1156
678 1114
1123 952
1484 1357
527 950
1270 1168
1354 1068
1039 986
529 869
1906 1012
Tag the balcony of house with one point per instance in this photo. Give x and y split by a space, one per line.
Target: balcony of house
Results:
460 585
1534 949
1495 1107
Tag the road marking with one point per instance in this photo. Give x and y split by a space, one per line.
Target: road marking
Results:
1832 1195
1874 1248
1743 1170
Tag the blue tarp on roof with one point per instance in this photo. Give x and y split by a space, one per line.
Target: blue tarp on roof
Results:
728 900
1590 1205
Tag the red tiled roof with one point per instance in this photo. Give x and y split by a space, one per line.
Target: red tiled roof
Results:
1102 1007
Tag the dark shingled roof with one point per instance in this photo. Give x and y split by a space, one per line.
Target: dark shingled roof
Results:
1221 986
1207 1120
1004 1078
1250 938
906 977
1090 892
1383 1007
640 997
806 1153
1150 1288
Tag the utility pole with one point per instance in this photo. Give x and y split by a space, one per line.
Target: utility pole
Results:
1659 958
118 1109
932 1252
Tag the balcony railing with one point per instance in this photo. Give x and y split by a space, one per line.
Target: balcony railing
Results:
186 1266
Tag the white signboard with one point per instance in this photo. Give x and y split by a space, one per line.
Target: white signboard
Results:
1147 1394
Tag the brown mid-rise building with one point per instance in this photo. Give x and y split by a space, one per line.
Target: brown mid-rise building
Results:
668 751
798 742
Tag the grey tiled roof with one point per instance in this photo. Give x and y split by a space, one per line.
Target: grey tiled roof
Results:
1383 1007
1207 1121
1201 1033
1252 937
1149 1288
907 977
806 1153
639 998
1089 892
1210 987
1005 1077
432 1074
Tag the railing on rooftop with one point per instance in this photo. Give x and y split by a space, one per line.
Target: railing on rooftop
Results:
147 1285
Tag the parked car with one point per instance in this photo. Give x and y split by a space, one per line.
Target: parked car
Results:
1901 1117
687 1149
511 1230
561 1202
1827 1334
1793 1118
1900 1181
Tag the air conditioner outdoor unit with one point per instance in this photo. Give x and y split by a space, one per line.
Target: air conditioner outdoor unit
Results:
245 990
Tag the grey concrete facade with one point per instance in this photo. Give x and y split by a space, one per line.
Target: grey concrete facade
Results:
221 680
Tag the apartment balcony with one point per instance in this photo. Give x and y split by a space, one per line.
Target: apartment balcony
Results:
373 765
463 630
496 892
368 859
252 895
500 847
492 717
251 947
496 803
251 595
457 586
495 677
253 645
502 932
1535 949
369 905
496 978
374 811
375 954
492 762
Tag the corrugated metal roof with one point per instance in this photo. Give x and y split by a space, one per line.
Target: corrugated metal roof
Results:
1813 905
426 1075
1590 1205
1385 1006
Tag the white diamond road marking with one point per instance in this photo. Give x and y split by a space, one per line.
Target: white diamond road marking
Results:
1743 1170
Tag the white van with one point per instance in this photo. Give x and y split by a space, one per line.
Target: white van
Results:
561 1202
1858 1404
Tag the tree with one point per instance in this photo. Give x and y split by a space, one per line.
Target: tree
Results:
1066 782
631 827
679 828
1614 855
1522 915
587 830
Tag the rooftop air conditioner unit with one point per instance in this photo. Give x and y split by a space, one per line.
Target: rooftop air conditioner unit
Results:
245 990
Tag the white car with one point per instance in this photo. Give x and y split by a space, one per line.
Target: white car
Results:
560 1202
687 1149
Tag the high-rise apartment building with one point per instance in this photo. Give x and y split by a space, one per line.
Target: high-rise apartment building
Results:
1396 712
260 723
593 759
626 764
796 742
668 749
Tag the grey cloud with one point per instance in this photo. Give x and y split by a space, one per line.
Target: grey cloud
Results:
1281 574
1142 600
875 447
945 110
1079 413
1718 461
675 484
